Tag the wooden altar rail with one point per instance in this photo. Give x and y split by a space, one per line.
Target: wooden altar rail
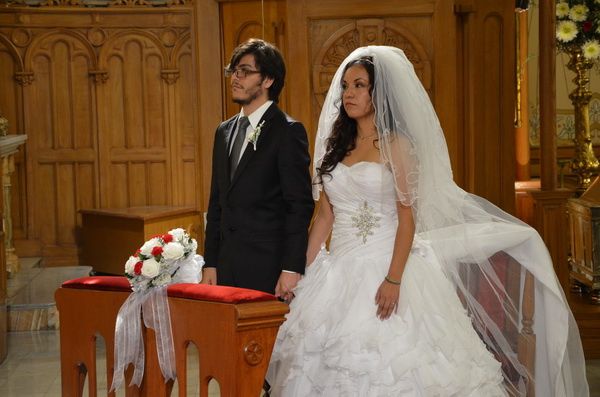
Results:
234 330
520 290
523 340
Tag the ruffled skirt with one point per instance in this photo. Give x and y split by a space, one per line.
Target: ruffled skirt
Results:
333 344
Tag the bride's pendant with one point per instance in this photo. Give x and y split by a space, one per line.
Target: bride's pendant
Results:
365 221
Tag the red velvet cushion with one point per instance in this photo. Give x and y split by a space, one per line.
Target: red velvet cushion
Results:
211 293
218 293
102 283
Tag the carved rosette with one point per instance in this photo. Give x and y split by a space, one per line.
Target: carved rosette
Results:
97 36
363 32
254 353
21 37
168 37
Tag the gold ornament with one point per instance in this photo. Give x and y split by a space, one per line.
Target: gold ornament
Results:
585 163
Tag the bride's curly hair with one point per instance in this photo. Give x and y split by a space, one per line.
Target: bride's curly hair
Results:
343 135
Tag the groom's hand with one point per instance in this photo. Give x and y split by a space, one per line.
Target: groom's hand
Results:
286 283
209 276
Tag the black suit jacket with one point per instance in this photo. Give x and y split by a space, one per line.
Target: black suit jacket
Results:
257 223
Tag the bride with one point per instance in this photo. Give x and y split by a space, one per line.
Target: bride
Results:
409 301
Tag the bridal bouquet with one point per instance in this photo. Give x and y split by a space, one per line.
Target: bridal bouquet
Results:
158 261
578 26
165 259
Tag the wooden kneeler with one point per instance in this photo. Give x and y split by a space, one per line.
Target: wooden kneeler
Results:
234 330
88 307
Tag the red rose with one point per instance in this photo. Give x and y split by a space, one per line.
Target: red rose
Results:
137 269
167 238
156 251
587 26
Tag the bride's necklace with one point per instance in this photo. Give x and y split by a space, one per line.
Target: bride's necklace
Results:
362 138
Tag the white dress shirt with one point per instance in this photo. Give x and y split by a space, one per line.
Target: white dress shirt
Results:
254 119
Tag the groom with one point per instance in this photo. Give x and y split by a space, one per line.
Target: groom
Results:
260 200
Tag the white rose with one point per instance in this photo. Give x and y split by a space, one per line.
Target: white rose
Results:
177 233
146 249
172 251
150 268
130 264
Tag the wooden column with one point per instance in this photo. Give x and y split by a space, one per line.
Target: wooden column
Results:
209 85
547 73
13 265
544 205
3 304
522 130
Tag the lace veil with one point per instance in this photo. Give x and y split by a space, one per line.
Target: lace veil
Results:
497 263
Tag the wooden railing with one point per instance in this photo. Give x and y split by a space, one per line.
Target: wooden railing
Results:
234 330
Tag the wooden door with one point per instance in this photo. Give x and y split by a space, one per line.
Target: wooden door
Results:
243 20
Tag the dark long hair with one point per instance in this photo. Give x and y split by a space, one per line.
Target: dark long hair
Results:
343 135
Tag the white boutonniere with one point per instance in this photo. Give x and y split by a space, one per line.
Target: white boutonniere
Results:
253 137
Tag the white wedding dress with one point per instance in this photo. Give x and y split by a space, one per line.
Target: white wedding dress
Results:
333 344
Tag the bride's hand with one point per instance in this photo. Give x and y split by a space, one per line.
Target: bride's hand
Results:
386 299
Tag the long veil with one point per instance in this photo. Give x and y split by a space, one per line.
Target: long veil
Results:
500 266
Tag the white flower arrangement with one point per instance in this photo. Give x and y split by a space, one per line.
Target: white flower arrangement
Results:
158 260
253 137
578 25
166 259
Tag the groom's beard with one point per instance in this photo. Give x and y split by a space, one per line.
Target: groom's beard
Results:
253 93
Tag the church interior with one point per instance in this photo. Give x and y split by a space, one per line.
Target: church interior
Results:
108 110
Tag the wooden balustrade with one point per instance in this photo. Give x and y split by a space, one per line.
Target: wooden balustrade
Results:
234 330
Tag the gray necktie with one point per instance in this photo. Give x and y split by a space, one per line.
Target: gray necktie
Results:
234 157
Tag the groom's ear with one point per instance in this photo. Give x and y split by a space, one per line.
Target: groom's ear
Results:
267 82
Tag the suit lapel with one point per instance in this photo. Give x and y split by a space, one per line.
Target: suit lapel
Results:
249 151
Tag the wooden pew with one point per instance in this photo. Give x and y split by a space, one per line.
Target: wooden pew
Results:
234 330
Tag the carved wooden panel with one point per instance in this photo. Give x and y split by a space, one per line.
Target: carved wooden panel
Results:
101 3
134 133
186 171
59 121
335 39
322 33
109 111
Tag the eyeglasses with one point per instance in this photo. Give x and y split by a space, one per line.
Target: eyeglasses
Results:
240 73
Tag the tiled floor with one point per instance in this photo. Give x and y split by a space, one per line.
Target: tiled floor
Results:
30 294
32 367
